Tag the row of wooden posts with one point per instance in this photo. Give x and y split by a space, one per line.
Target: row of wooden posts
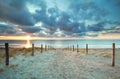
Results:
73 48
46 48
7 51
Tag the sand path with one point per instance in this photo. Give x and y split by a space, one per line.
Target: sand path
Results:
60 65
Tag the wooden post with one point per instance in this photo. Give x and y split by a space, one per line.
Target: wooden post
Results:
77 48
32 49
86 48
113 54
7 53
41 48
73 47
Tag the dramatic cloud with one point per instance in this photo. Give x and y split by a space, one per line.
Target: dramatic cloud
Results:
60 18
6 29
15 11
31 29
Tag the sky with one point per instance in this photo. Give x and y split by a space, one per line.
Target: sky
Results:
98 19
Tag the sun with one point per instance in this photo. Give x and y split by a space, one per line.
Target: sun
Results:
28 37
28 45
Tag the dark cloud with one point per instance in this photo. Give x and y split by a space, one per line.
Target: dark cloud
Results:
15 11
6 29
88 10
48 17
31 29
73 21
96 27
118 3
85 10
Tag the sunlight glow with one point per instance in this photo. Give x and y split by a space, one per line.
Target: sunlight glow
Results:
28 45
100 36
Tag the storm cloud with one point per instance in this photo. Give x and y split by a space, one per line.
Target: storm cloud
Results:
6 29
15 11
66 18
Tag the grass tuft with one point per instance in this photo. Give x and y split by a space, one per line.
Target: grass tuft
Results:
1 69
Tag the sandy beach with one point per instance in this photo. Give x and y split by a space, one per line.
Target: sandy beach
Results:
59 39
60 64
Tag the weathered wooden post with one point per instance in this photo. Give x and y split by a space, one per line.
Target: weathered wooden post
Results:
41 48
77 48
86 48
7 53
73 47
113 54
32 49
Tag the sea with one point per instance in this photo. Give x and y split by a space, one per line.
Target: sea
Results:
92 43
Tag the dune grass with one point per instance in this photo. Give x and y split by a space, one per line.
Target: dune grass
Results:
27 52
104 52
2 69
16 51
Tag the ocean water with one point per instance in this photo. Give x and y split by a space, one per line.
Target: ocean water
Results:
64 43
13 43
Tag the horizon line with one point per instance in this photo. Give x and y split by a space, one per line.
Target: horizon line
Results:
52 38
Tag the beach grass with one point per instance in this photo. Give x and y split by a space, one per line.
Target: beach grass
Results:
63 61
105 52
1 69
